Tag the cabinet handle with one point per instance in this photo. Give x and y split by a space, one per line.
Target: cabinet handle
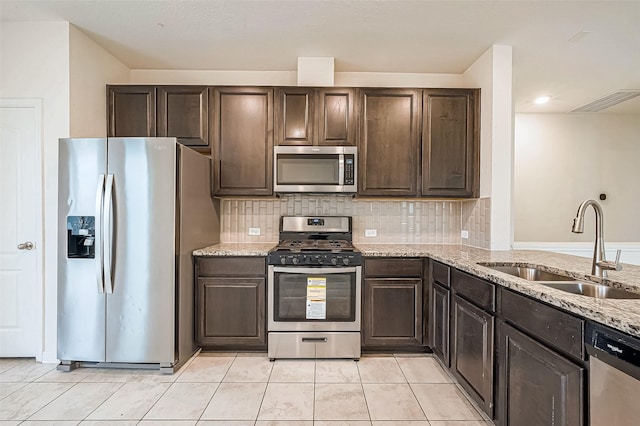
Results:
313 339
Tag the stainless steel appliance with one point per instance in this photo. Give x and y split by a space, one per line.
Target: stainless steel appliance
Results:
131 211
314 290
614 377
316 169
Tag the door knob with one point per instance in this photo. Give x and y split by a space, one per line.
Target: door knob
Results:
26 246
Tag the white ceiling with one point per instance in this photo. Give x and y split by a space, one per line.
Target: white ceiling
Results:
575 51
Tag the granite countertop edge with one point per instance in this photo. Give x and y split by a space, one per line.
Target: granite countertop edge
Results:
620 314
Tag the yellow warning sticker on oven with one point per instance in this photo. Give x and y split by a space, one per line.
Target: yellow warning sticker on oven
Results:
316 298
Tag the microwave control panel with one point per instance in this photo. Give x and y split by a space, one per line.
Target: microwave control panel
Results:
349 169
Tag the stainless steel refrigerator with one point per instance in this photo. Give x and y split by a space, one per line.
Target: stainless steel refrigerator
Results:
130 213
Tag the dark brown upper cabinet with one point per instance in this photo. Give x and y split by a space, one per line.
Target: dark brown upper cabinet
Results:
147 111
131 111
242 140
389 142
336 116
310 116
450 148
295 116
183 112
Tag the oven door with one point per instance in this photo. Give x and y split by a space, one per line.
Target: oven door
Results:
314 299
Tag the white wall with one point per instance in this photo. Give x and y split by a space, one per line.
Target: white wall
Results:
289 78
91 67
564 159
35 64
492 72
55 62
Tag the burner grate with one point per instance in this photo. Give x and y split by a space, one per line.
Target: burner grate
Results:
299 245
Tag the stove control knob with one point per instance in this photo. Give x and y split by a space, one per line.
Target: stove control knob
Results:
295 260
283 260
334 261
345 261
320 260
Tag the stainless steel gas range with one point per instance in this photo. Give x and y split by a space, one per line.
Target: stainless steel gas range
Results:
314 290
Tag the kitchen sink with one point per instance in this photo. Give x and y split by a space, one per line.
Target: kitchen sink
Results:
597 291
531 274
564 283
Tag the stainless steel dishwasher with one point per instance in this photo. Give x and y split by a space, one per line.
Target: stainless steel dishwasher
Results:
614 377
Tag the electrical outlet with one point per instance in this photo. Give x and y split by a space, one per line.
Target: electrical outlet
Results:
464 234
254 231
370 232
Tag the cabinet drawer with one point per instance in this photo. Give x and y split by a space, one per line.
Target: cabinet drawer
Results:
440 273
230 266
476 290
392 267
557 328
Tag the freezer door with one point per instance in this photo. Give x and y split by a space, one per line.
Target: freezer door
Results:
140 250
81 301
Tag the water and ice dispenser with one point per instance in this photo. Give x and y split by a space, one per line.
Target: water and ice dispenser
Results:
81 237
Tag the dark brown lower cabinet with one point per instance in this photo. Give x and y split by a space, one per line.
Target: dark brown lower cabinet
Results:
439 321
232 311
472 350
392 312
230 305
392 304
537 386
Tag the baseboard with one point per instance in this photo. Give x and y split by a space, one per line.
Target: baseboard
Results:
48 358
630 251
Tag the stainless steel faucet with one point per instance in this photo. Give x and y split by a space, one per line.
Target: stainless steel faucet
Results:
600 265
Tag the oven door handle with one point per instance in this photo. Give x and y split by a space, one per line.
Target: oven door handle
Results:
313 271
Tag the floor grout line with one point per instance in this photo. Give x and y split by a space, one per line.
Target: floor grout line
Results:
192 367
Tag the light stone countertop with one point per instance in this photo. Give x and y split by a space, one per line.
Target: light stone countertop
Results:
621 314
235 249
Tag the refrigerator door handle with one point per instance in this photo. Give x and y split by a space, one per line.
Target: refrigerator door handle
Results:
108 234
98 231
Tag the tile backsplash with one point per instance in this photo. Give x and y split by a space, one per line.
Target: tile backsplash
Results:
476 219
395 221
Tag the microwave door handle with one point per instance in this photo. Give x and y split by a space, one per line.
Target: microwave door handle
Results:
341 169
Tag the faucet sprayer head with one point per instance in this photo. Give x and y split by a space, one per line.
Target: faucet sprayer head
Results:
578 225
578 222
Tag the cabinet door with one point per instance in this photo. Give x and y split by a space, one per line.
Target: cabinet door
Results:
336 117
392 312
450 143
131 111
183 113
439 322
472 351
242 136
537 386
389 151
295 116
231 311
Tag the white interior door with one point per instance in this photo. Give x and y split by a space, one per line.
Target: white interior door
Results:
19 230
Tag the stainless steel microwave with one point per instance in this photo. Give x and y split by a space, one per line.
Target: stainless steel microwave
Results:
316 169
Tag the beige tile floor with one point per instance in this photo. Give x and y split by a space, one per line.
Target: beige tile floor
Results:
239 389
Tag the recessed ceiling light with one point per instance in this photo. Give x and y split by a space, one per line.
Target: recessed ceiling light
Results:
542 100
